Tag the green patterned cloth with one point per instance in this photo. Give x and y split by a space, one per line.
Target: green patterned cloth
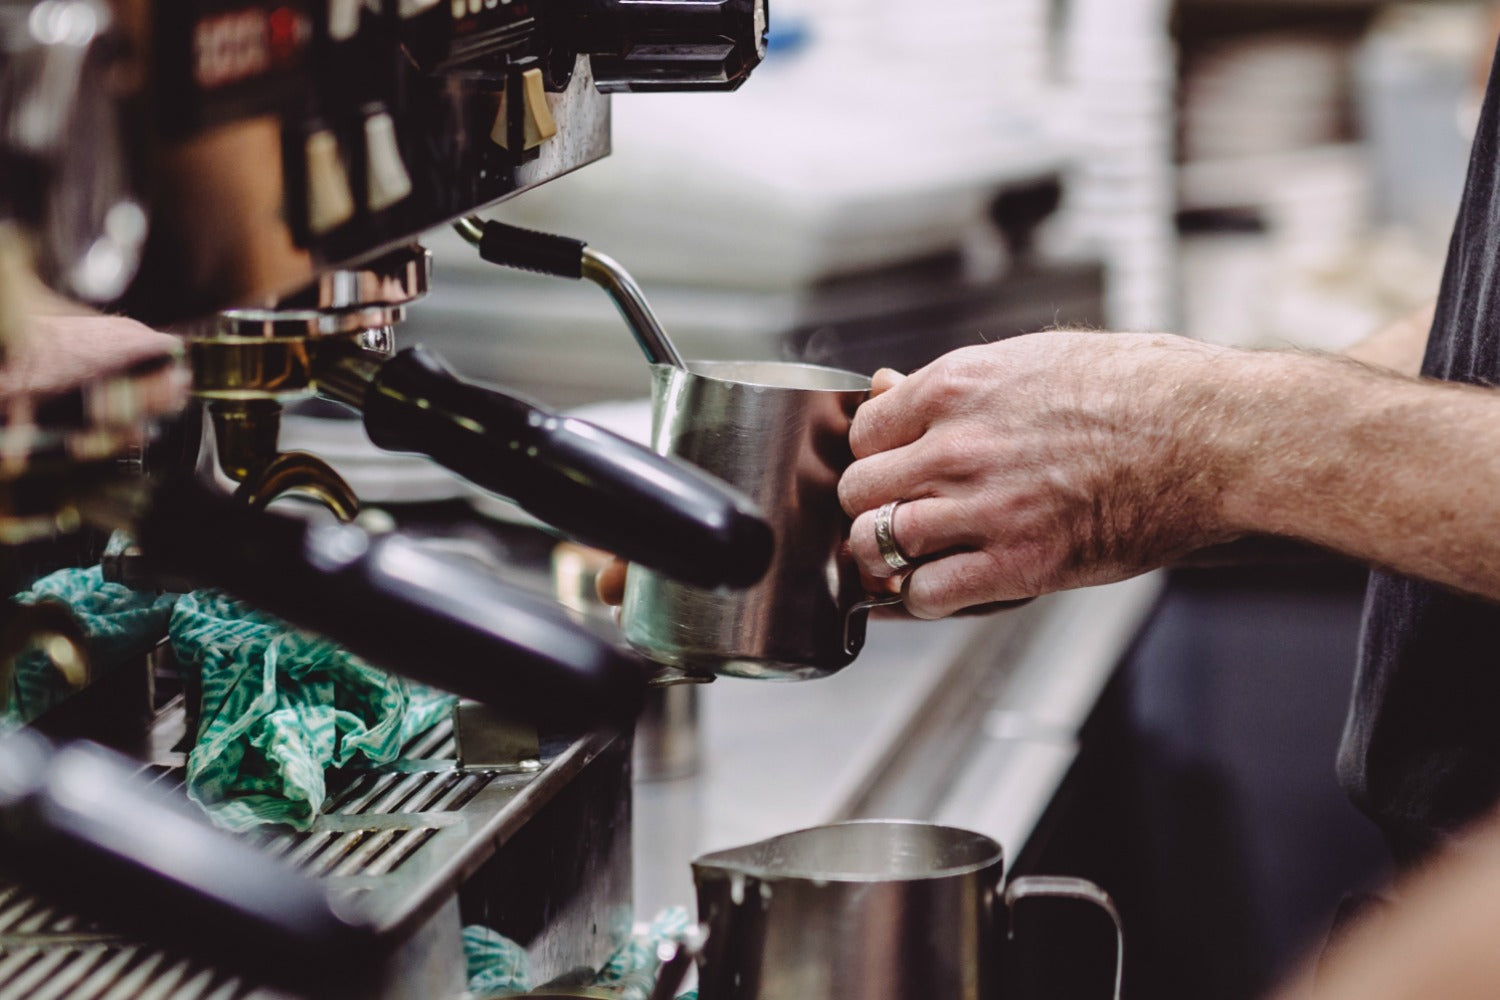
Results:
280 707
498 966
119 624
642 954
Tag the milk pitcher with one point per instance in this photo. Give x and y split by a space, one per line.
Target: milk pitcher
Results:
867 910
779 432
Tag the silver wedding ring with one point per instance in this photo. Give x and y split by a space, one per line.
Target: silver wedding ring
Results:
885 538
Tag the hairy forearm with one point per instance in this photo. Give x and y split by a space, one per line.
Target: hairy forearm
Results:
1398 347
1394 471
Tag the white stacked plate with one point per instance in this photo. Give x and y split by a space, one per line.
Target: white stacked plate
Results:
1122 67
1264 95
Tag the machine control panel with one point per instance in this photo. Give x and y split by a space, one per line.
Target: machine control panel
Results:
269 140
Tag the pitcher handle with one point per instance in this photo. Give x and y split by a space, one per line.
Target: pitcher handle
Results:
677 956
864 607
1061 887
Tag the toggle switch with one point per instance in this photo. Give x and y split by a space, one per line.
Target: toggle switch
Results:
386 179
343 19
537 125
330 202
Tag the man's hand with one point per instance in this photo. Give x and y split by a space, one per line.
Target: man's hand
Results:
60 352
1063 459
1037 464
119 373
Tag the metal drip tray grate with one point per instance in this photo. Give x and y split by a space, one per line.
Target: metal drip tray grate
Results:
398 839
380 819
51 954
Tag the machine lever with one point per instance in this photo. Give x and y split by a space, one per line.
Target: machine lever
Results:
435 619
80 825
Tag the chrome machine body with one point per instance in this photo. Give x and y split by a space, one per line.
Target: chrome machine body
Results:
251 174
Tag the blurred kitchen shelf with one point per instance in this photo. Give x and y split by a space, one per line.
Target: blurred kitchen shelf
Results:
566 345
1282 5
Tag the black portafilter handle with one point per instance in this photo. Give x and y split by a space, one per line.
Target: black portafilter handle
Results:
435 619
596 487
82 827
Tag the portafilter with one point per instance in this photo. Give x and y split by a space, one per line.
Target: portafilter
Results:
592 485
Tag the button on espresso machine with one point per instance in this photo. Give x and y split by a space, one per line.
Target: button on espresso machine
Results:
251 176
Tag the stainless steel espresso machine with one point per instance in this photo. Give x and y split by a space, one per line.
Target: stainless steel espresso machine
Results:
251 175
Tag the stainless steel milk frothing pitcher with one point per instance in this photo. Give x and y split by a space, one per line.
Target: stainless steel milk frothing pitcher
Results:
868 910
779 432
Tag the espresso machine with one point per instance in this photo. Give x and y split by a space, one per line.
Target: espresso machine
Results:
251 176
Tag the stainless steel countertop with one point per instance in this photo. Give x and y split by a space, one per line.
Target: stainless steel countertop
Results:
971 722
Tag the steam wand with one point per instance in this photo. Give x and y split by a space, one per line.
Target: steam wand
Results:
561 257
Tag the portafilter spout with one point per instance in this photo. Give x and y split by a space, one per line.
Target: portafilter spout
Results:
561 257
247 362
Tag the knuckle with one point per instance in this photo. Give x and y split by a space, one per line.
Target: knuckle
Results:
952 383
864 430
923 598
909 528
936 590
862 536
863 548
951 448
852 491
948 385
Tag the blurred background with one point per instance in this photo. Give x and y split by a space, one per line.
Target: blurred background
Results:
892 185
1265 173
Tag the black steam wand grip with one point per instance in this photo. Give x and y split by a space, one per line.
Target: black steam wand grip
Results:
80 825
594 486
530 250
435 619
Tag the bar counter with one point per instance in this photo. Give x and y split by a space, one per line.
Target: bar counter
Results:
970 722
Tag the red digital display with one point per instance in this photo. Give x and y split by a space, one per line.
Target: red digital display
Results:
239 44
284 33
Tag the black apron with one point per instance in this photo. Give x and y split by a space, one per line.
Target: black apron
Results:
1421 750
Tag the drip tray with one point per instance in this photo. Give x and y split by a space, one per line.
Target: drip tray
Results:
540 853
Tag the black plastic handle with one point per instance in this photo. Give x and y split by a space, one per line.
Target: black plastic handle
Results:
438 620
82 827
529 250
595 486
